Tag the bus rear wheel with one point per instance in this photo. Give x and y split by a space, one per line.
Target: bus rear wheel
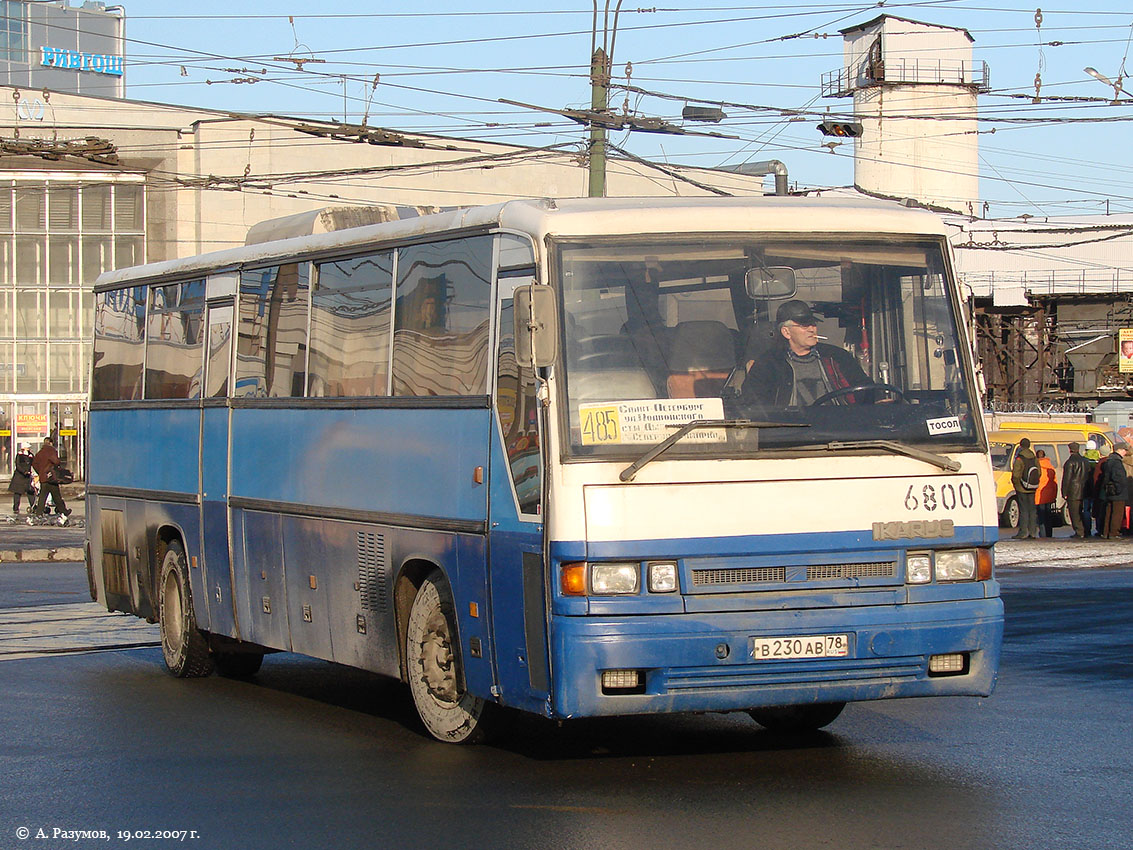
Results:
436 680
185 649
797 718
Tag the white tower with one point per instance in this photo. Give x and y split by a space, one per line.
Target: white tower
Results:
914 87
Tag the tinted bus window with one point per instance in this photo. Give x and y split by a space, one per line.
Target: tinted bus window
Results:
219 350
440 346
350 318
519 417
174 338
119 344
271 346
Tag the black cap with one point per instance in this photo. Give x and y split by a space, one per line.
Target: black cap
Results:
795 311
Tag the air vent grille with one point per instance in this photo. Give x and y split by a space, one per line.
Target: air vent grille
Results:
750 575
874 569
372 571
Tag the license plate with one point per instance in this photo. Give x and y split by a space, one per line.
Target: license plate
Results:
801 646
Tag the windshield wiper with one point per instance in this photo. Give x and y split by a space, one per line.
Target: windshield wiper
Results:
945 463
630 471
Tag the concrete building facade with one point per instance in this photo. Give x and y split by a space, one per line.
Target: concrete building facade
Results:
914 87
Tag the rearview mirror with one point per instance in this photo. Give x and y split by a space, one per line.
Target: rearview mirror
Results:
536 325
767 282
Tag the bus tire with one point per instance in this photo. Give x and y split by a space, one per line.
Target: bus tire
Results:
238 665
797 718
185 649
436 680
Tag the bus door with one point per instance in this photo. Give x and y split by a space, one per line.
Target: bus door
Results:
216 567
516 567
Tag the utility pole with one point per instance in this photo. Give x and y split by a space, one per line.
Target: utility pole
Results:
599 103
598 118
601 63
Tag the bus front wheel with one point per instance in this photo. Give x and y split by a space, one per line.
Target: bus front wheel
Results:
797 718
185 649
436 680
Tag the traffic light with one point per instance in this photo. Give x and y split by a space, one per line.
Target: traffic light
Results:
845 129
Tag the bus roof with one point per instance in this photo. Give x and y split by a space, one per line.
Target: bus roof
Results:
576 217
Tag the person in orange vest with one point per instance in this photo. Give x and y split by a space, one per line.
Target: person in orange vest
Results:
1046 495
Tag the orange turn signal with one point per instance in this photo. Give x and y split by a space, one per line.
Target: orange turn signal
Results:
572 580
985 563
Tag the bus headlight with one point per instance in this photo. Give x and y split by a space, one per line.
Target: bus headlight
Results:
955 565
918 569
614 579
662 577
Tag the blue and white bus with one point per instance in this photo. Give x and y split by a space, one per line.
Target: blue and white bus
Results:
558 456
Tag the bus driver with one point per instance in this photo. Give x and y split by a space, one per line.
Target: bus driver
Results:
800 370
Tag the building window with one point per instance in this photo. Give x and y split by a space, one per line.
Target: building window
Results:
56 237
13 31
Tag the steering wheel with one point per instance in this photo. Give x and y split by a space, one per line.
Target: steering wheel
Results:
897 393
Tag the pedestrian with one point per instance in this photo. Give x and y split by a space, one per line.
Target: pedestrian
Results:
1114 490
1025 479
45 460
1095 510
21 485
1046 495
1127 462
1074 481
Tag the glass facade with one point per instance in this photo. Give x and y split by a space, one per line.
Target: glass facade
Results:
56 237
13 31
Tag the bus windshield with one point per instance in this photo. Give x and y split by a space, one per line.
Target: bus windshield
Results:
828 339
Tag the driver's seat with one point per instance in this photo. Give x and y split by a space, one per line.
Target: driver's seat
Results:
702 355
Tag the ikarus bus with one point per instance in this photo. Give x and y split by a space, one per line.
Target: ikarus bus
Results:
577 458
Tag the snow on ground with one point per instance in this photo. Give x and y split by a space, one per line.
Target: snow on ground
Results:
1063 553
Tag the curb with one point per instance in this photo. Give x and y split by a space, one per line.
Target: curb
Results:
70 553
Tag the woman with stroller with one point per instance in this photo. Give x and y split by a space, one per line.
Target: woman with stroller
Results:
21 483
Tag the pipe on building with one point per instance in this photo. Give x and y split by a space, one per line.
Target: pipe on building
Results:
759 169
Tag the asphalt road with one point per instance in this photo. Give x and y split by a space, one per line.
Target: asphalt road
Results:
313 755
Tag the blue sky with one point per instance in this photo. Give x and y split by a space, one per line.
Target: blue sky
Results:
442 66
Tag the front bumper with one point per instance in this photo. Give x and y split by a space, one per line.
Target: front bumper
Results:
699 662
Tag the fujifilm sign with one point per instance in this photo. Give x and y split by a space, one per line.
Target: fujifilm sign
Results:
100 63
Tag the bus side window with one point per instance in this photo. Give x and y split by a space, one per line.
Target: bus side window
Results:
119 344
174 339
350 315
271 343
440 341
519 418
